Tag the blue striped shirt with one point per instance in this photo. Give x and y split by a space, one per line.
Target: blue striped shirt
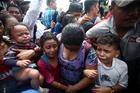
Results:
48 16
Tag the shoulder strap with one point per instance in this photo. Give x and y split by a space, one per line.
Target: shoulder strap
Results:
45 59
86 50
86 24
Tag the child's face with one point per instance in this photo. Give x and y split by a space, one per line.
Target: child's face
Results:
106 53
50 47
20 34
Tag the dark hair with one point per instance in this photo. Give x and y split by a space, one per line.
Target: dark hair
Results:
88 4
1 8
49 1
23 4
75 7
72 34
47 36
5 17
1 17
68 18
13 25
113 3
13 5
111 39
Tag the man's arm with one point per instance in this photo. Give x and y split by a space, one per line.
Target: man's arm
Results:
33 13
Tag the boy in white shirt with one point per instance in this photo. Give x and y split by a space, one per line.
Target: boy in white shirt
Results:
112 72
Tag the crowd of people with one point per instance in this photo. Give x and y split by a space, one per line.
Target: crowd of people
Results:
78 51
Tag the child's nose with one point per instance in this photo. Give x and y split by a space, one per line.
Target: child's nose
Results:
52 49
102 53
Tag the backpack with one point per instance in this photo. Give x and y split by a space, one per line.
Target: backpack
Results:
87 23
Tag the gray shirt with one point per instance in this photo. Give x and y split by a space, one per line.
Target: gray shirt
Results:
130 43
111 76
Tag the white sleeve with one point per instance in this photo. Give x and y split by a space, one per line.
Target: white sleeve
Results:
97 30
101 28
33 13
40 29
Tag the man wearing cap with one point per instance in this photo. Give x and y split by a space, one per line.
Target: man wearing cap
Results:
90 18
124 22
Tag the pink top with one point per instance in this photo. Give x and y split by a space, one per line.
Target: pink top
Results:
51 73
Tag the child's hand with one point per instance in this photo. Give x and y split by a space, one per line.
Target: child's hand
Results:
52 24
90 73
70 89
37 48
23 63
101 89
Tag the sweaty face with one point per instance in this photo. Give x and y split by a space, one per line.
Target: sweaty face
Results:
50 48
1 29
20 34
126 16
15 12
106 52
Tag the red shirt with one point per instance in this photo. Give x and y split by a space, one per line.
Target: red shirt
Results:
4 71
51 73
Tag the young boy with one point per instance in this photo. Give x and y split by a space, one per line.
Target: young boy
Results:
20 35
112 72
75 55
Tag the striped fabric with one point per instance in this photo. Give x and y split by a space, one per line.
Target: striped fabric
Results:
48 16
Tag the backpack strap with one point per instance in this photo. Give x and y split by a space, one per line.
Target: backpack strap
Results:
87 21
87 49
45 59
86 24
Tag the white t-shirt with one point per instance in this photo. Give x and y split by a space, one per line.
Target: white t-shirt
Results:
111 76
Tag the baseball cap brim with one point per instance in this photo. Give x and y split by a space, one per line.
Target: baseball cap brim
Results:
122 3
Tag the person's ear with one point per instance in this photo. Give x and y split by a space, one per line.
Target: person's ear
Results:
117 53
111 9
